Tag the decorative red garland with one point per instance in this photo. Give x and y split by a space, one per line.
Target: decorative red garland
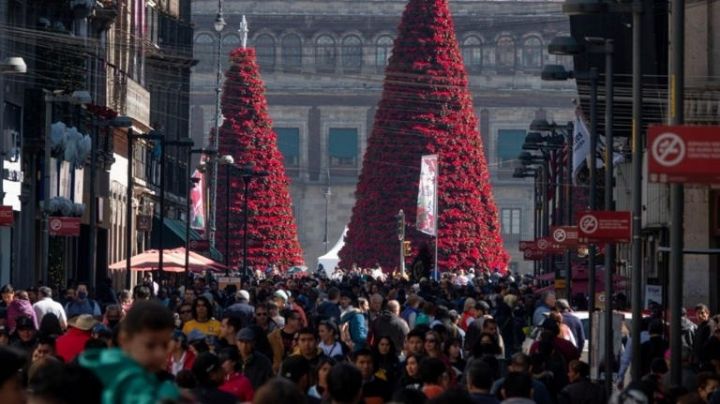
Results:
426 108
247 135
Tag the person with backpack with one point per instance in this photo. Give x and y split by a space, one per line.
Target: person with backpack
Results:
82 304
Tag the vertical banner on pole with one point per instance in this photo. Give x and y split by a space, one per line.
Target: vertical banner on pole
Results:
427 209
197 197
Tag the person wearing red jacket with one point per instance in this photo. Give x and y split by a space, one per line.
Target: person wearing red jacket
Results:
72 343
236 383
180 357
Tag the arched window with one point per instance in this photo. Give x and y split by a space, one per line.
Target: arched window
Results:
291 52
352 53
488 54
505 53
472 53
229 43
325 54
383 50
204 52
532 53
265 50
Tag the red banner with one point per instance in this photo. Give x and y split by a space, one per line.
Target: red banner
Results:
604 226
549 246
6 215
525 245
64 226
566 236
199 245
533 255
684 154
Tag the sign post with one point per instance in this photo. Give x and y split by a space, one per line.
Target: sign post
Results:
604 226
684 154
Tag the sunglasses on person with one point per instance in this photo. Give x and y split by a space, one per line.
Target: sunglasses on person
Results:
185 311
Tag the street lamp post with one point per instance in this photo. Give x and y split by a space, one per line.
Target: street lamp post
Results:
228 161
219 25
248 174
11 65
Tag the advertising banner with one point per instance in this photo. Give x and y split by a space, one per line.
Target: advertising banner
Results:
427 195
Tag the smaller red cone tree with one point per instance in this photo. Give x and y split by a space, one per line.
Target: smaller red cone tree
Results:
247 135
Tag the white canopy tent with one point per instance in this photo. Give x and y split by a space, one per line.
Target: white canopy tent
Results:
330 260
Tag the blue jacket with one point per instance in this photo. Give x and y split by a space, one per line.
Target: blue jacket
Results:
358 328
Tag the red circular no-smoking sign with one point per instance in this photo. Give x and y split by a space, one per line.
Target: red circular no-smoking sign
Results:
588 224
559 235
56 224
543 244
668 149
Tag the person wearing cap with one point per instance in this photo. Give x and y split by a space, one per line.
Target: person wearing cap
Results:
287 300
235 383
25 335
72 343
254 365
296 369
180 357
46 305
242 309
209 375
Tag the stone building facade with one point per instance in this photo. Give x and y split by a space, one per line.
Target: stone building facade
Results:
323 63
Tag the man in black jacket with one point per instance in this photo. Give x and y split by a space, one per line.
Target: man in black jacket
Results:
255 366
581 390
209 375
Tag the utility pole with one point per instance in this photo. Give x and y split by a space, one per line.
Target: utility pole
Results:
219 25
401 238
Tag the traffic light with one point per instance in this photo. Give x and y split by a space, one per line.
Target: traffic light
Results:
407 248
400 224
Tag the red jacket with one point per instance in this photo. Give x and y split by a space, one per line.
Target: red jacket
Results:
187 362
239 386
71 344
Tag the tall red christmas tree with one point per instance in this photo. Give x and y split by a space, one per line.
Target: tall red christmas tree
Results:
426 108
247 135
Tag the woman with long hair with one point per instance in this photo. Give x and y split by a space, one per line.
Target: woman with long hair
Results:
386 360
180 357
410 377
319 391
453 351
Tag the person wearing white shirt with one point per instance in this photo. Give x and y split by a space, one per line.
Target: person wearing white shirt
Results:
47 305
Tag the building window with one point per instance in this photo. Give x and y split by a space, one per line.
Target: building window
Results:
472 53
229 43
291 52
352 53
265 50
383 51
343 147
203 52
288 140
505 53
511 222
509 144
532 53
325 54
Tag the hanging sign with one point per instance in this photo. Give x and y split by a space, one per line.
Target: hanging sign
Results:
566 236
604 226
199 245
64 226
684 154
548 246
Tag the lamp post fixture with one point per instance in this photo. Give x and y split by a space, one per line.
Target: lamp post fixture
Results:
153 135
191 184
117 122
229 162
248 173
11 65
219 25
558 73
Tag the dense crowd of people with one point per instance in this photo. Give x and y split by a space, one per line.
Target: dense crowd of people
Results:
361 336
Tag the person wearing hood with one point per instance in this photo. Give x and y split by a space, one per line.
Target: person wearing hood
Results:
20 306
72 343
25 336
129 373
390 324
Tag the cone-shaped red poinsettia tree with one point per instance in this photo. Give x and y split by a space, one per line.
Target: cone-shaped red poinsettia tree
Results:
426 108
247 135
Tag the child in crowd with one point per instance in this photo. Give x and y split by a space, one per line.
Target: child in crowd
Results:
128 372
